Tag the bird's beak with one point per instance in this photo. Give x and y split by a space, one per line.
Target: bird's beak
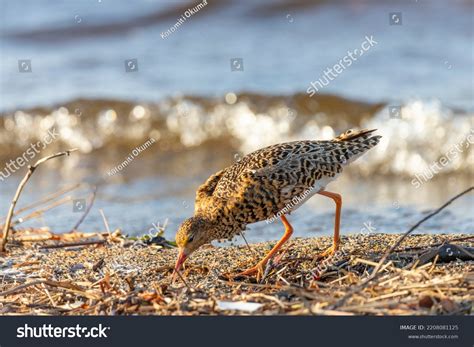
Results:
181 258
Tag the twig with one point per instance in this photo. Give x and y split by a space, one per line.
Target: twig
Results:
86 212
105 221
375 274
74 244
465 238
320 311
49 295
46 199
182 279
268 297
258 285
248 246
31 169
39 213
22 286
58 284
404 236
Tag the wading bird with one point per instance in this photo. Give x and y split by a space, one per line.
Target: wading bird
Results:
265 183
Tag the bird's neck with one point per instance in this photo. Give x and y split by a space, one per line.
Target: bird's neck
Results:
223 226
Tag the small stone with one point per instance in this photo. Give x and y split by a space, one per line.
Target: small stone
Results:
426 301
77 267
449 305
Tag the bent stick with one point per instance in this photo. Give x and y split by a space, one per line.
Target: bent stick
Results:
31 169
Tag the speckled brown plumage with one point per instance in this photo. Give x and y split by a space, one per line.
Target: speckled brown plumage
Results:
262 183
266 181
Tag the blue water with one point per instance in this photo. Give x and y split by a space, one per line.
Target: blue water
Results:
78 49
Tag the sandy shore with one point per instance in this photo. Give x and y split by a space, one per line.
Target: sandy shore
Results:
115 276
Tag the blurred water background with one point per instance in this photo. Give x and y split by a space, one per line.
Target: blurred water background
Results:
101 74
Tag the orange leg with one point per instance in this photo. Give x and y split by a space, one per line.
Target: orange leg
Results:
259 267
338 200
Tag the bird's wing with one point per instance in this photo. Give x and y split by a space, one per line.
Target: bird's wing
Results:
273 161
291 176
206 190
269 178
259 194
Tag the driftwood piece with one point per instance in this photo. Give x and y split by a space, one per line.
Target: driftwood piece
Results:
75 244
446 253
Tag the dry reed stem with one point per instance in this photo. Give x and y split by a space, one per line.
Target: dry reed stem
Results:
31 170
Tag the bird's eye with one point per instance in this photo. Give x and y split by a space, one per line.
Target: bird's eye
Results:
191 238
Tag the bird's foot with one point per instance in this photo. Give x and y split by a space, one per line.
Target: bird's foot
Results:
262 269
328 252
257 269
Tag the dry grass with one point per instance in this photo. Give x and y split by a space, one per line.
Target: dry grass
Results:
106 274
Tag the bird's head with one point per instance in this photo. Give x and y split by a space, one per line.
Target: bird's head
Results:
192 234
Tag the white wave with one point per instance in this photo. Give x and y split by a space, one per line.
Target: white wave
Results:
426 131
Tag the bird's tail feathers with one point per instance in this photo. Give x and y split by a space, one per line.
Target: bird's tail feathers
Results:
357 142
353 134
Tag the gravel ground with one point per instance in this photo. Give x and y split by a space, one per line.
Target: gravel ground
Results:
425 275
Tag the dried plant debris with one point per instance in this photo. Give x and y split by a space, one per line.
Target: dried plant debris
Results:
108 274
